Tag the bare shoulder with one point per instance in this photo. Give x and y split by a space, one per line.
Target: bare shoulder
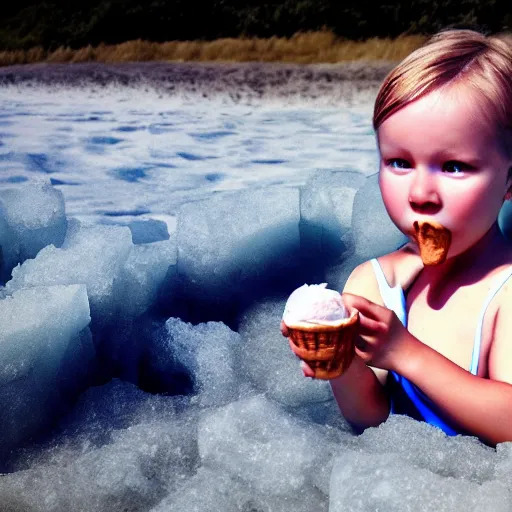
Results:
402 267
500 354
399 267
362 281
502 276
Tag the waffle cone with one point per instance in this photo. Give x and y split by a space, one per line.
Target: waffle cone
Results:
433 241
328 350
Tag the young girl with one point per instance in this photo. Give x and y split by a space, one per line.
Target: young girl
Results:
435 341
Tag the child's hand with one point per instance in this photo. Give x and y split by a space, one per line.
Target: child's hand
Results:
382 338
306 370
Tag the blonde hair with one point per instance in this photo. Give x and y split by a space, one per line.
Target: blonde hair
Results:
455 58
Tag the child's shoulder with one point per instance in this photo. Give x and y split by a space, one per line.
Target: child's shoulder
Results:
399 267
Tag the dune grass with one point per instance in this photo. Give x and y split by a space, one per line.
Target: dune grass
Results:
303 48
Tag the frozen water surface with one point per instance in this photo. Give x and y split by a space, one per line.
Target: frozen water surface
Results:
125 153
149 240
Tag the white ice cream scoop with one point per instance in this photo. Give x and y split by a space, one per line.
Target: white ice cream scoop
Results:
314 304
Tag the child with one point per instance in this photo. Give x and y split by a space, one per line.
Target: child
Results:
435 341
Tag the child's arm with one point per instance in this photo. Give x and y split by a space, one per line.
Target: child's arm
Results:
360 395
480 406
359 392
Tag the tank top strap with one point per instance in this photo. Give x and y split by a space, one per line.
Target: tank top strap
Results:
381 278
475 358
393 297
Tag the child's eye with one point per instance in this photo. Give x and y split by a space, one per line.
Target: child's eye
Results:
398 163
455 167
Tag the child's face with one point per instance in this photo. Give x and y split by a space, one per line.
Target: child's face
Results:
439 161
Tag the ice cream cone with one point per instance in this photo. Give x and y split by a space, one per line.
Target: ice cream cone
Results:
327 349
433 241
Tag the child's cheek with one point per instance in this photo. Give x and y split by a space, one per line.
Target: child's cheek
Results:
396 201
469 219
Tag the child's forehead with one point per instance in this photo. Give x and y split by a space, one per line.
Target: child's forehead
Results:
436 121
441 106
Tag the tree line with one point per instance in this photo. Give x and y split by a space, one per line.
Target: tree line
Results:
51 24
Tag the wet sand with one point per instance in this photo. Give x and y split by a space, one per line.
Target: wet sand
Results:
242 81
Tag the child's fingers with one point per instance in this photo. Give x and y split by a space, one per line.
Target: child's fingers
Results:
364 355
360 343
306 370
363 305
368 326
294 348
284 329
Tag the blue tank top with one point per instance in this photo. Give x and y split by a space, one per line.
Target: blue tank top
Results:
406 398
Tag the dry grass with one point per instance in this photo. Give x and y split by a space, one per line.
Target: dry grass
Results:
305 48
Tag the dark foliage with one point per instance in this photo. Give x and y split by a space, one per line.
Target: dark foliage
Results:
52 23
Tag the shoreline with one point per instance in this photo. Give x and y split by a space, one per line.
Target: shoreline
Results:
346 70
241 81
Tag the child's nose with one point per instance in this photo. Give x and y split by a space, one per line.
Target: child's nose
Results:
423 192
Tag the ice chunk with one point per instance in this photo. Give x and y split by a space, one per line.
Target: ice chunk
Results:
210 490
34 217
139 466
238 245
460 457
326 203
405 464
273 452
504 464
364 481
9 251
147 231
35 213
143 274
94 256
101 411
267 360
206 491
77 368
143 231
207 352
38 325
373 231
